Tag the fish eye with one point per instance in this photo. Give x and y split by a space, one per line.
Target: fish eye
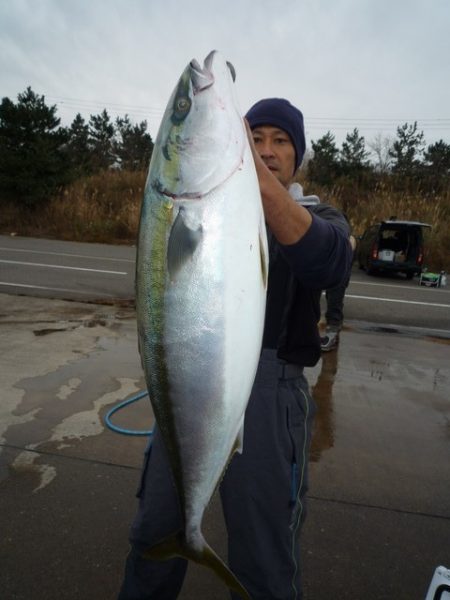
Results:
232 71
182 105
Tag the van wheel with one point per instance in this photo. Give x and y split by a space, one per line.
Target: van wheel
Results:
409 275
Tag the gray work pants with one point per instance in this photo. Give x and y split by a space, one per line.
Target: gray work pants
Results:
334 315
263 497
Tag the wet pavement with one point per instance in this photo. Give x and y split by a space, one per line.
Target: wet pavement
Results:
379 501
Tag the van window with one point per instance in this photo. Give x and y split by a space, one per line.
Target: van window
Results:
397 240
404 242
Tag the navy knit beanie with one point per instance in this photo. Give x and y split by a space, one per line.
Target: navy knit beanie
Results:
279 112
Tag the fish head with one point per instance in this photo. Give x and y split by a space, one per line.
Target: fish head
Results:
202 138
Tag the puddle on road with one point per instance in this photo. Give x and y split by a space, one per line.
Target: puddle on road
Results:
322 392
60 365
392 382
40 332
84 323
439 340
410 332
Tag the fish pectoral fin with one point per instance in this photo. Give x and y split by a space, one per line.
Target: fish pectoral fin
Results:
182 243
201 553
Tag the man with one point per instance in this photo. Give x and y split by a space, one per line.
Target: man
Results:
263 490
334 315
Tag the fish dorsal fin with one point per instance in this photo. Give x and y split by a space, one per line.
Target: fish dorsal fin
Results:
182 243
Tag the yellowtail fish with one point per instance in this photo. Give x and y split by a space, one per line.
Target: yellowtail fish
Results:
201 281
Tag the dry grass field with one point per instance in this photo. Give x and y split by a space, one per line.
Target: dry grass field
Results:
105 208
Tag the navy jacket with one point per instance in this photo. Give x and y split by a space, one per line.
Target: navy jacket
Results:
297 275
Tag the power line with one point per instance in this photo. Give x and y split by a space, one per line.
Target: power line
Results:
63 100
378 124
92 105
430 120
376 127
318 120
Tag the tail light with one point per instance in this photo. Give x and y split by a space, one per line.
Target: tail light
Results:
420 256
374 253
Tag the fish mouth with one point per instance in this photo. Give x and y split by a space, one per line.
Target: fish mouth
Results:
202 78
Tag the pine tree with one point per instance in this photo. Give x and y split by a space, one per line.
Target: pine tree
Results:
101 139
77 149
407 150
354 156
32 143
323 168
437 165
133 145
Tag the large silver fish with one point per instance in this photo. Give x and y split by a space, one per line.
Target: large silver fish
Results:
201 287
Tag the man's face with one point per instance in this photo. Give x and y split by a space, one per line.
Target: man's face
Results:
277 151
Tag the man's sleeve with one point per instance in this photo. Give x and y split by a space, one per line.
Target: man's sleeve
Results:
322 258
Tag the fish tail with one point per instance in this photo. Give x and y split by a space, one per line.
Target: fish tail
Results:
213 562
202 554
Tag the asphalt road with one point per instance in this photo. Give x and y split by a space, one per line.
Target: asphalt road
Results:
78 271
378 505
66 270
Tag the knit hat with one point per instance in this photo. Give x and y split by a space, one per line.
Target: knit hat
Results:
279 112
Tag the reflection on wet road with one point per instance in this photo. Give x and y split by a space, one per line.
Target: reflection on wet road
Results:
322 391
382 431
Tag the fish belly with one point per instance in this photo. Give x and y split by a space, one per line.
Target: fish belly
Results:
214 319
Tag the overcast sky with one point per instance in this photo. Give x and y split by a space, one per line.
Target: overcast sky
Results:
370 64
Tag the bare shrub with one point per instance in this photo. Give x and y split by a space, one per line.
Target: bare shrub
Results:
100 208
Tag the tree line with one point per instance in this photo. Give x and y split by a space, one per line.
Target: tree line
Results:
405 162
38 155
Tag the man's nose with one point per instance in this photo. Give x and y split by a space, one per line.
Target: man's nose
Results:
266 148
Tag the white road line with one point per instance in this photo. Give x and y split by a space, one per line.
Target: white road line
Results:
67 254
32 264
391 285
42 287
395 300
